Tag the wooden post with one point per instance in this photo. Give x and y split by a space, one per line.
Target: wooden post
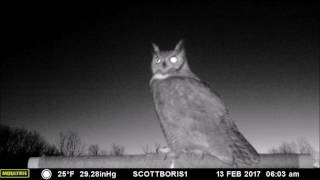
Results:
160 161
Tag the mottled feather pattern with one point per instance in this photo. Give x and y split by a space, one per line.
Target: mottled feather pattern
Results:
245 154
193 117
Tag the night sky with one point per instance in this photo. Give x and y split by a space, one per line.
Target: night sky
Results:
86 68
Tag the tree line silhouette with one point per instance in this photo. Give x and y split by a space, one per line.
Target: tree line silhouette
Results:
17 145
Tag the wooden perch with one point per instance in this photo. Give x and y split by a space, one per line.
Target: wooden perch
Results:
159 161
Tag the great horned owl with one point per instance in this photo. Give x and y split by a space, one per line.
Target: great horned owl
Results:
193 118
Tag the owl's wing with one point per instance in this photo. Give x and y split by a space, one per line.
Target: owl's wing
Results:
244 152
204 101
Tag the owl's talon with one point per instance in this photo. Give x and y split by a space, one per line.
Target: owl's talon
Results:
164 150
171 155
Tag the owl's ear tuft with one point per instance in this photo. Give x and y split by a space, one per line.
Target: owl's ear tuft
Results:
180 46
155 48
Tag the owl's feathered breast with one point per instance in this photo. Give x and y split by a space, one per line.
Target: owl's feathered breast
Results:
187 98
188 111
194 117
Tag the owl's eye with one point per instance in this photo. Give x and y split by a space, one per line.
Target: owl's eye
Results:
173 59
158 60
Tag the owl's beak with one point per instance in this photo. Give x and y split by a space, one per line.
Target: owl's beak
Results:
164 64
